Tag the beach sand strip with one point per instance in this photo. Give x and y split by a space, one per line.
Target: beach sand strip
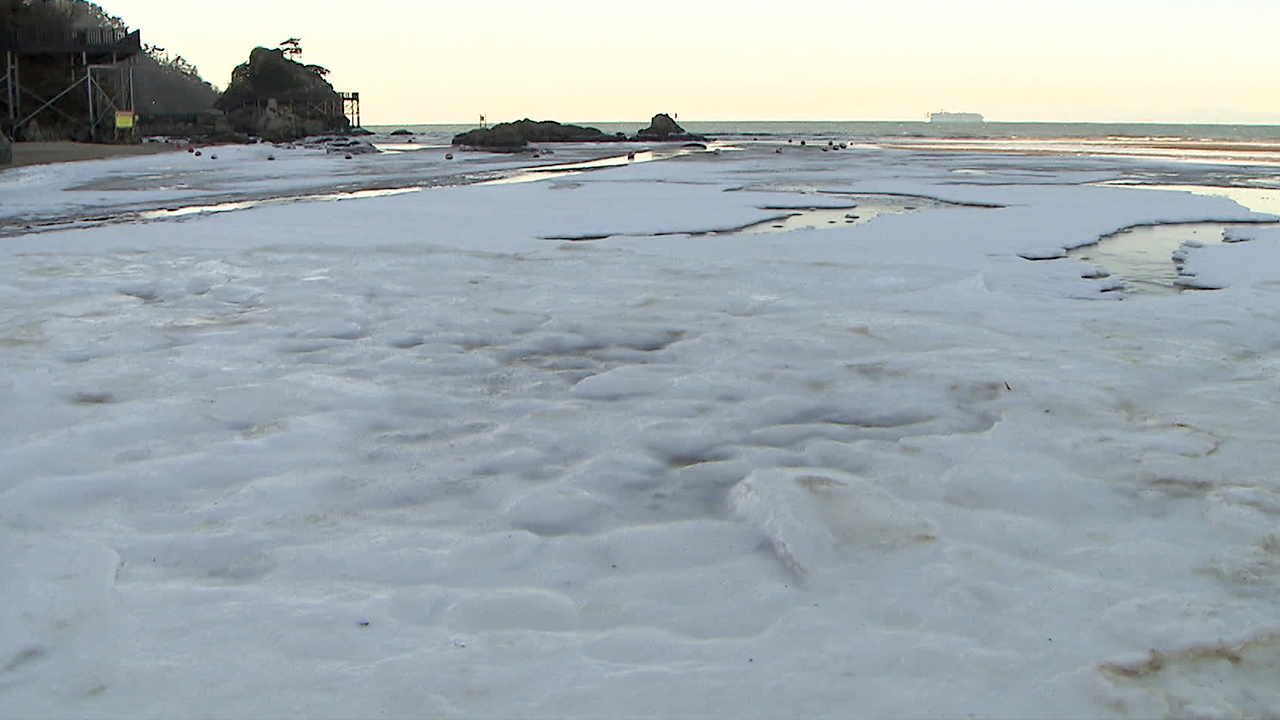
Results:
39 153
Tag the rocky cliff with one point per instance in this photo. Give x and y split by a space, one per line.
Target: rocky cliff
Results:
279 99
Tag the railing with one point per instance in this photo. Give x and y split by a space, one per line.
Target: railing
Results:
295 97
86 39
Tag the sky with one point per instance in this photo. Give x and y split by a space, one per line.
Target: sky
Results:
575 60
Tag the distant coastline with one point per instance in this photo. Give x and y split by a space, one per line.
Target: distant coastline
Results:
880 129
955 117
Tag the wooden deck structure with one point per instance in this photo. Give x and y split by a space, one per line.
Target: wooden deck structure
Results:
103 63
351 107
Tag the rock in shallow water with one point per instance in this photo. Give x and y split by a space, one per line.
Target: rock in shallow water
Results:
517 135
662 127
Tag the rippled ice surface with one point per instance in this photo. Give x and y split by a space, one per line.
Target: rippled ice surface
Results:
403 455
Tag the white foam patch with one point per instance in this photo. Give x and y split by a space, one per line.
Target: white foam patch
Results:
60 607
511 609
402 456
1237 265
633 381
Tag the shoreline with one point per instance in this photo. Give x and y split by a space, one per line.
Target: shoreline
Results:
59 151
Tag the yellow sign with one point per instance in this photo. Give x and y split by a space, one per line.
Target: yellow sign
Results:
124 118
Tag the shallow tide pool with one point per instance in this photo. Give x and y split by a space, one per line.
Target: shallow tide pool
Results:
1147 260
1143 260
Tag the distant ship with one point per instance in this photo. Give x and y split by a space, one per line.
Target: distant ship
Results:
950 117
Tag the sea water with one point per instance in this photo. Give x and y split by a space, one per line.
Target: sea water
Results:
1241 145
880 130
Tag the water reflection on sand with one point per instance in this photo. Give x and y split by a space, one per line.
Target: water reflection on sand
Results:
1266 152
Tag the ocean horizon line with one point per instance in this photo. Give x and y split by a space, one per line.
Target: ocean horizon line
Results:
875 129
919 121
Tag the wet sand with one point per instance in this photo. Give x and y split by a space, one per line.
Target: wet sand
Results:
1253 153
39 153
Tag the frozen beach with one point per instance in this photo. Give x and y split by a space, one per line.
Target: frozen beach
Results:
434 453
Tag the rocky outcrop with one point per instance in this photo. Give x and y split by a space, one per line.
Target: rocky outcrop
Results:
510 137
278 99
517 135
210 126
663 128
340 145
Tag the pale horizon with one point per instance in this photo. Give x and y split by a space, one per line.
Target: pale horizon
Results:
1182 62
925 120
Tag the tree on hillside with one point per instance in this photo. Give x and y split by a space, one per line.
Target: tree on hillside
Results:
176 63
168 84
163 82
90 15
26 14
56 15
292 48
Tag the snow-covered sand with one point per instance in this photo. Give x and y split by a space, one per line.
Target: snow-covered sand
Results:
404 457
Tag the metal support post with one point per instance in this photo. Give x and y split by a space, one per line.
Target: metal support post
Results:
11 95
88 79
